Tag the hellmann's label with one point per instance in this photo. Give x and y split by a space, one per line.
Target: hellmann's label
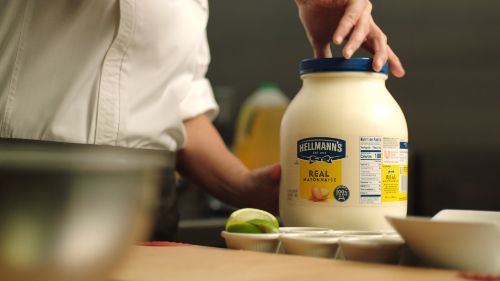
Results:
320 160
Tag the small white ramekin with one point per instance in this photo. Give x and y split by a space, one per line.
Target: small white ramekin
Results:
372 248
260 242
323 245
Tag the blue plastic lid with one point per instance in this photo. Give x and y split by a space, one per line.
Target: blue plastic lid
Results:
339 64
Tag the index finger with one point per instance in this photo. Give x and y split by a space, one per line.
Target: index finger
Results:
353 12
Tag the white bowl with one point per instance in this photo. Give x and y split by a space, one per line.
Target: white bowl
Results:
304 229
372 248
310 244
464 245
468 216
260 242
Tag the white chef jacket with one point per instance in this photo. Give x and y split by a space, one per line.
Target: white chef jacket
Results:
107 72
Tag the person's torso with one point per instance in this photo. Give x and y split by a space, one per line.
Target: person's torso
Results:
97 71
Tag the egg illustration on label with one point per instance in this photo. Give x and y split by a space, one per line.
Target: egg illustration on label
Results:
319 194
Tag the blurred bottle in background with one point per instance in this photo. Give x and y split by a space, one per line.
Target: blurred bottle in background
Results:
226 99
256 141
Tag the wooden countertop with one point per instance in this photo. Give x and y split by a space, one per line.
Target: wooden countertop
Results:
191 263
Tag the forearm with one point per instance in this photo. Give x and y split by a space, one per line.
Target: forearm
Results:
206 160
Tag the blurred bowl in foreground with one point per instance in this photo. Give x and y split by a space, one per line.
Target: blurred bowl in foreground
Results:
69 211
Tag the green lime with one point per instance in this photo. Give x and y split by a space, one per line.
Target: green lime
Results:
260 219
244 228
265 226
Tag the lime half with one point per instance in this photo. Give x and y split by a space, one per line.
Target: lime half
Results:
244 228
250 220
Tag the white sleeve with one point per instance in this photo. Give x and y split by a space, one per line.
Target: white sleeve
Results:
200 98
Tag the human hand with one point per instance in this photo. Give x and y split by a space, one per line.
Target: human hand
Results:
263 187
335 20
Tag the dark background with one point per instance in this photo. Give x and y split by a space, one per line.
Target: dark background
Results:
450 95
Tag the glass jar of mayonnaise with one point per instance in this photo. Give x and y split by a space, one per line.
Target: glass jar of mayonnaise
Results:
344 148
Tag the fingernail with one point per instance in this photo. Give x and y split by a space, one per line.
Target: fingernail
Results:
338 40
348 53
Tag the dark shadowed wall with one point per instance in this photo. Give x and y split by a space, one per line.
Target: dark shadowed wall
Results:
450 96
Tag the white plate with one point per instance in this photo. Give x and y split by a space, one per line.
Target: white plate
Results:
450 243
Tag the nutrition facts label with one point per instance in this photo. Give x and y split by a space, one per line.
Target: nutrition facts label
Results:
370 184
383 170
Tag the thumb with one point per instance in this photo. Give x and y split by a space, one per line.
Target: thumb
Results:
266 180
268 175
